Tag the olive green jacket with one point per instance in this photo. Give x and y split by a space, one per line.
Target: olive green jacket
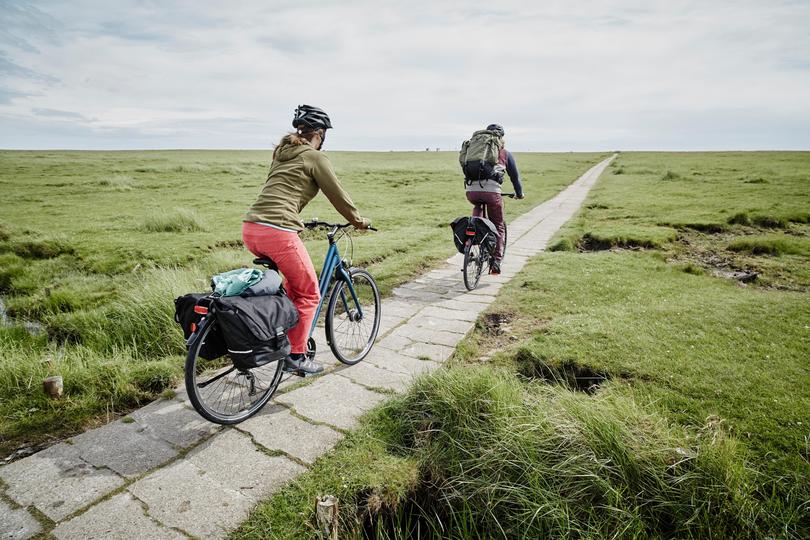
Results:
296 175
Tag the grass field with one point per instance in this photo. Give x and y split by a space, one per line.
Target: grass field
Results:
649 378
94 246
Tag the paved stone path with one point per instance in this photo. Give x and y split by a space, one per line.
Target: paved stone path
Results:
164 472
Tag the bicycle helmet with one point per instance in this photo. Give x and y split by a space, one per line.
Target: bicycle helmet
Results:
308 117
497 128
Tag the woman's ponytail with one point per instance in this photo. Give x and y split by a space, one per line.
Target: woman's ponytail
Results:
297 138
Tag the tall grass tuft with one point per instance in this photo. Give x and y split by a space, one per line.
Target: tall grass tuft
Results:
142 315
178 220
505 460
118 182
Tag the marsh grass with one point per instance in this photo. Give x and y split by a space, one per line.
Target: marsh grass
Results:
96 385
118 182
475 453
771 245
176 220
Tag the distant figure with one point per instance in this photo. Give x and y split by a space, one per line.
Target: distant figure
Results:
484 159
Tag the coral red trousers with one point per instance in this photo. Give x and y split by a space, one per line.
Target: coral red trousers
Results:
295 265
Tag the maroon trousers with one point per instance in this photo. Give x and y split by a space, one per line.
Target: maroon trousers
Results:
494 203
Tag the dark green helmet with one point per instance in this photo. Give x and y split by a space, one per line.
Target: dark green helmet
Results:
308 117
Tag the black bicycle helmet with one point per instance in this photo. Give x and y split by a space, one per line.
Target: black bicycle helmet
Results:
309 117
497 128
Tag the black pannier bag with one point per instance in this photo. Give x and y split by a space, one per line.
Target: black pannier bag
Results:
481 230
184 314
255 328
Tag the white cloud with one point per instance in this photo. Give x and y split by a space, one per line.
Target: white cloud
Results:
407 75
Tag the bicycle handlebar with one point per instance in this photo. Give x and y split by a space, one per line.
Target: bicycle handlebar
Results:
314 224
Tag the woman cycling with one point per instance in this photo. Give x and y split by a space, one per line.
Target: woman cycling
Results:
272 224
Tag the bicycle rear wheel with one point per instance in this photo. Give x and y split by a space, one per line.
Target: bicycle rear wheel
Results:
473 264
352 324
223 394
505 238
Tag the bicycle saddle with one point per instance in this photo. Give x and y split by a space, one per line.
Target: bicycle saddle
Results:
264 261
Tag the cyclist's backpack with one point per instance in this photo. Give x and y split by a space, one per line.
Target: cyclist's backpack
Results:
188 319
255 328
480 230
479 156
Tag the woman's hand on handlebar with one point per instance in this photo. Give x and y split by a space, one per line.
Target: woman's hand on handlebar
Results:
364 224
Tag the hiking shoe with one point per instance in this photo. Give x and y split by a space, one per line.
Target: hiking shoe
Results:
495 268
299 363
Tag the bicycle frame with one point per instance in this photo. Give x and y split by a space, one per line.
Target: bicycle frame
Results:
333 270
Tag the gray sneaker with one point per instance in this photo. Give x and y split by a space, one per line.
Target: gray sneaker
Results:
299 363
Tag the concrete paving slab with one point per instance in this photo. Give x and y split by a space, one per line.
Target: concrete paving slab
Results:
278 429
416 295
183 496
420 334
430 351
389 322
57 481
394 361
394 342
372 376
232 460
434 323
399 308
332 400
17 523
465 314
175 423
126 448
464 302
120 518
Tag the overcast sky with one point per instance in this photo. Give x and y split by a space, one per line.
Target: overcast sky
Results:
406 75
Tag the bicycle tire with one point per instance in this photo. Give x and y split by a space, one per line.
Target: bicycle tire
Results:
204 406
505 238
472 273
366 340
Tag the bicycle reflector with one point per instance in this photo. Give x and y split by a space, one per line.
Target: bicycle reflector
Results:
201 310
470 232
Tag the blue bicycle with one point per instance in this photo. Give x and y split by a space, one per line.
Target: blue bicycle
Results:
225 394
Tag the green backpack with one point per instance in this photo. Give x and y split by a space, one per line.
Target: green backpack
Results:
479 155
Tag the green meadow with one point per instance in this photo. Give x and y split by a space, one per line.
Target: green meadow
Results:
94 247
646 378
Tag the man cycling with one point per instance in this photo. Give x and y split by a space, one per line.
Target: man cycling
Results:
484 159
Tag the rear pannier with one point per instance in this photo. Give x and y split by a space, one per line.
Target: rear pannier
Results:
189 320
480 230
255 328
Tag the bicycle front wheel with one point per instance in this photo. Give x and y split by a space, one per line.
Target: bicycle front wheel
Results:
353 320
223 394
473 265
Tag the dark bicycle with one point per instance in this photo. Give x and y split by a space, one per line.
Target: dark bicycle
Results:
476 254
225 394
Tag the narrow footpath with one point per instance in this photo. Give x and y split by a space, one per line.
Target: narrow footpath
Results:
164 472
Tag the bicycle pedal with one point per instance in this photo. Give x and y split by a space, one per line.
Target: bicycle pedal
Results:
299 373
